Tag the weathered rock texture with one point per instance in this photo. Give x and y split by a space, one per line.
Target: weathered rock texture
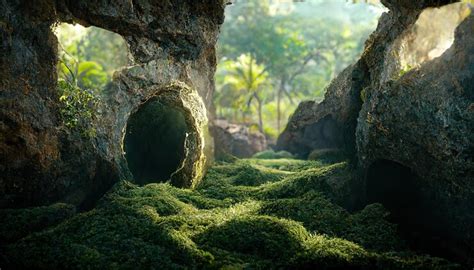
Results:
406 108
321 125
236 140
424 120
172 44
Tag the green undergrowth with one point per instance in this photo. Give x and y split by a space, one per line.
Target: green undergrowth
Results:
246 214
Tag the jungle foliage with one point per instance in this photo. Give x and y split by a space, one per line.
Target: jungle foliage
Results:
295 48
88 58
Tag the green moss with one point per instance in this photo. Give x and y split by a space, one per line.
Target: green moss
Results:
319 179
312 209
159 197
218 185
253 214
288 165
260 236
408 261
327 156
254 175
370 229
18 223
322 252
270 154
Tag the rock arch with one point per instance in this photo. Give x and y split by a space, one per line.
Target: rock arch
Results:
172 44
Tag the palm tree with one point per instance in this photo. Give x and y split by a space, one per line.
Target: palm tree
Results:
251 79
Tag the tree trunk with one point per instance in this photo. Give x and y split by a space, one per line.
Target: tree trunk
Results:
260 118
280 91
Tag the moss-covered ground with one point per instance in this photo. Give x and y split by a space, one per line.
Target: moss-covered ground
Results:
246 214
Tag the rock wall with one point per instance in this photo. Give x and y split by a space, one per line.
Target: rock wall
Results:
406 108
424 120
172 44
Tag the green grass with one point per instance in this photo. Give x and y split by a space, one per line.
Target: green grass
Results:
246 214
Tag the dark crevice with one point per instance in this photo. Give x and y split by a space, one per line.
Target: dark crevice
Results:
399 189
154 141
396 187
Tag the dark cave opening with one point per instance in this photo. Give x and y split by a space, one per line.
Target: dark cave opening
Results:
396 187
154 142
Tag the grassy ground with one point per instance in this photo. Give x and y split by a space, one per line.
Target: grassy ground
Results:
253 214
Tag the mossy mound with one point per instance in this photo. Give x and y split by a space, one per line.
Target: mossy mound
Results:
259 236
270 154
245 214
18 223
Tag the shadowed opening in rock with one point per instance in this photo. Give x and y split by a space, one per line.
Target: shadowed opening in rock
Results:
396 187
431 36
155 141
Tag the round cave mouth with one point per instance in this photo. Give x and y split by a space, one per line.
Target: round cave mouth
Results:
396 187
154 142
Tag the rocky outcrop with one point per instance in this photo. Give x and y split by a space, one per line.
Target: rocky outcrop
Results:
172 44
332 123
404 115
321 125
236 140
424 121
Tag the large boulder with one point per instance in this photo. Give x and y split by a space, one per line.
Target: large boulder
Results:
172 44
421 121
332 122
236 140
404 115
321 125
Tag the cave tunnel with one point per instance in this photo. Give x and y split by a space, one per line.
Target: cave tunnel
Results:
397 188
154 142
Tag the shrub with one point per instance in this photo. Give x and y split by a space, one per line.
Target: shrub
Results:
77 108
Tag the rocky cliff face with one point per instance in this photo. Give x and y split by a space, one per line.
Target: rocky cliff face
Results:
404 114
172 44
424 121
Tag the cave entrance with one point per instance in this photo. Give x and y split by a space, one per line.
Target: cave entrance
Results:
397 188
154 142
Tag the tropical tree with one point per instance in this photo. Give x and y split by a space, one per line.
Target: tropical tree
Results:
89 56
248 81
